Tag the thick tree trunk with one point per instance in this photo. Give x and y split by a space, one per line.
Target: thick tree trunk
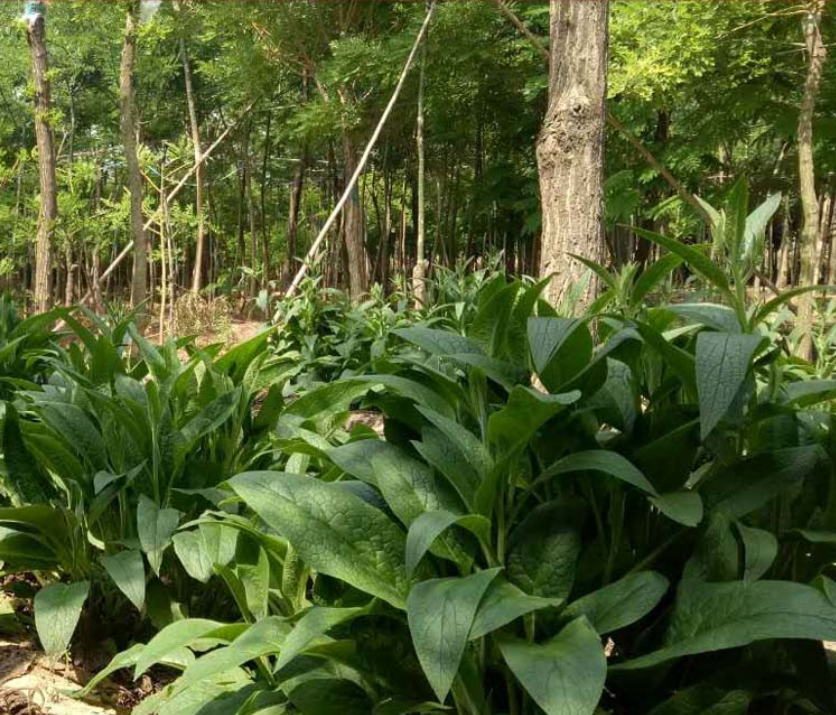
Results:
570 149
36 35
353 223
817 53
200 244
139 280
419 272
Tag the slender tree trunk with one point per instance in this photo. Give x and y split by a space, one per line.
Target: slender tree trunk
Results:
353 223
386 236
293 214
265 232
199 174
817 53
419 272
570 149
139 280
48 214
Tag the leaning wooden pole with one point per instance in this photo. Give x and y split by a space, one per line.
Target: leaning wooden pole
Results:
314 249
172 194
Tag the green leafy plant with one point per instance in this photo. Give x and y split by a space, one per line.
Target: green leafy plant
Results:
124 443
664 493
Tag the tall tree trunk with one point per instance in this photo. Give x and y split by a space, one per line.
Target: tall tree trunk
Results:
817 53
265 233
139 280
200 244
570 149
48 214
293 213
419 272
353 223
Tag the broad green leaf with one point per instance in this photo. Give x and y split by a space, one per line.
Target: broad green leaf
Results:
513 426
332 398
333 531
328 696
465 441
355 458
560 349
489 328
695 259
177 635
679 362
722 362
755 227
504 603
410 389
255 578
652 276
27 482
261 639
684 507
408 485
313 624
746 485
24 549
128 573
438 342
805 393
78 430
439 450
716 317
543 550
441 613
430 525
717 553
155 528
211 417
600 460
220 694
709 617
786 296
760 548
188 545
565 675
219 542
622 603
721 696
410 490
57 610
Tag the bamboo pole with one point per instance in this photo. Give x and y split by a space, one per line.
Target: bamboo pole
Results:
314 249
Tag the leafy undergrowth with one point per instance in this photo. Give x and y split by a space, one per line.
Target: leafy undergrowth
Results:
631 511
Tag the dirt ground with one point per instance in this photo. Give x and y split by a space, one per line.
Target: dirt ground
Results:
30 685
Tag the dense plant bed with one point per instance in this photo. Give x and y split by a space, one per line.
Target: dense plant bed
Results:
633 511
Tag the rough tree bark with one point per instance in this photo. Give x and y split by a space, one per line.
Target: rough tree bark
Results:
139 280
817 54
200 245
36 36
353 226
570 149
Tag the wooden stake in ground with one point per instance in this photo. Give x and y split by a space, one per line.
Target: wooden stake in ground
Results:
313 251
570 150
200 170
419 272
36 36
